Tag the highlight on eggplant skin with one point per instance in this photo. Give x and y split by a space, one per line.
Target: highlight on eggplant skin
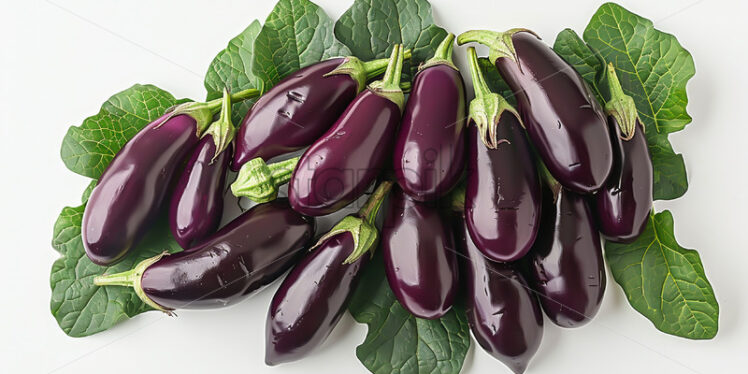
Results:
502 311
418 247
566 262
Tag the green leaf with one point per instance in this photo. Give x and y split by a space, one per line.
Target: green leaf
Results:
398 342
232 68
297 33
87 149
495 82
87 191
574 50
665 282
371 27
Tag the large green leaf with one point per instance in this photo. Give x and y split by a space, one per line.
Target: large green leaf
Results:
232 69
574 50
398 342
371 27
665 282
87 149
297 33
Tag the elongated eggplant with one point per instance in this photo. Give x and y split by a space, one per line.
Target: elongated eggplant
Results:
502 312
247 254
623 206
566 261
337 168
419 256
311 300
503 195
429 154
301 107
563 118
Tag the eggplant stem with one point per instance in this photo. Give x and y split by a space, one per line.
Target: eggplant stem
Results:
374 68
443 54
132 278
389 86
259 181
622 107
479 82
370 209
222 130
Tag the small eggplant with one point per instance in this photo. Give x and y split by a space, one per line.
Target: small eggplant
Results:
339 167
623 206
247 254
131 190
419 256
429 154
301 107
563 118
503 194
311 300
502 312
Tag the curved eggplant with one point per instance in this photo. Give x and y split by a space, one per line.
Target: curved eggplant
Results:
562 116
247 254
429 152
337 168
567 260
502 312
419 256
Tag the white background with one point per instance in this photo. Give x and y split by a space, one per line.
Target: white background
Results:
60 60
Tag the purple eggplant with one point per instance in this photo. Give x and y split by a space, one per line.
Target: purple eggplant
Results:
419 256
563 118
503 194
301 107
247 254
502 311
623 206
311 300
566 262
339 167
429 154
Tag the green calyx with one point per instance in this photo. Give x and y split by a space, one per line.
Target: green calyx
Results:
203 112
260 182
443 54
363 71
132 278
487 107
222 130
621 106
500 44
389 86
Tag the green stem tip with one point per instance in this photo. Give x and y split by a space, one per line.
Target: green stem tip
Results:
222 130
621 106
500 44
132 278
260 182
370 209
363 71
443 54
203 112
389 86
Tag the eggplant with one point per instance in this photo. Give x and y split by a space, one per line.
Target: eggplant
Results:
339 167
419 256
502 312
429 153
566 262
301 107
623 206
247 254
503 195
564 120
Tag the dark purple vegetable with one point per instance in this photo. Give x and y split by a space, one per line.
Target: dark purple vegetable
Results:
503 195
247 254
429 154
623 206
567 261
562 117
337 168
419 256
301 107
311 300
502 312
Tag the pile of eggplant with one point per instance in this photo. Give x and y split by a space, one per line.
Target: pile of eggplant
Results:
500 206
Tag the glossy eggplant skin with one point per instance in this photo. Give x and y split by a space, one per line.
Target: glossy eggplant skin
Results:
566 262
502 312
337 168
197 202
131 190
503 196
250 252
311 300
419 256
623 206
562 116
294 113
429 154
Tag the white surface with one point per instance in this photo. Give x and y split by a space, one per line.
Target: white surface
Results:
58 63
